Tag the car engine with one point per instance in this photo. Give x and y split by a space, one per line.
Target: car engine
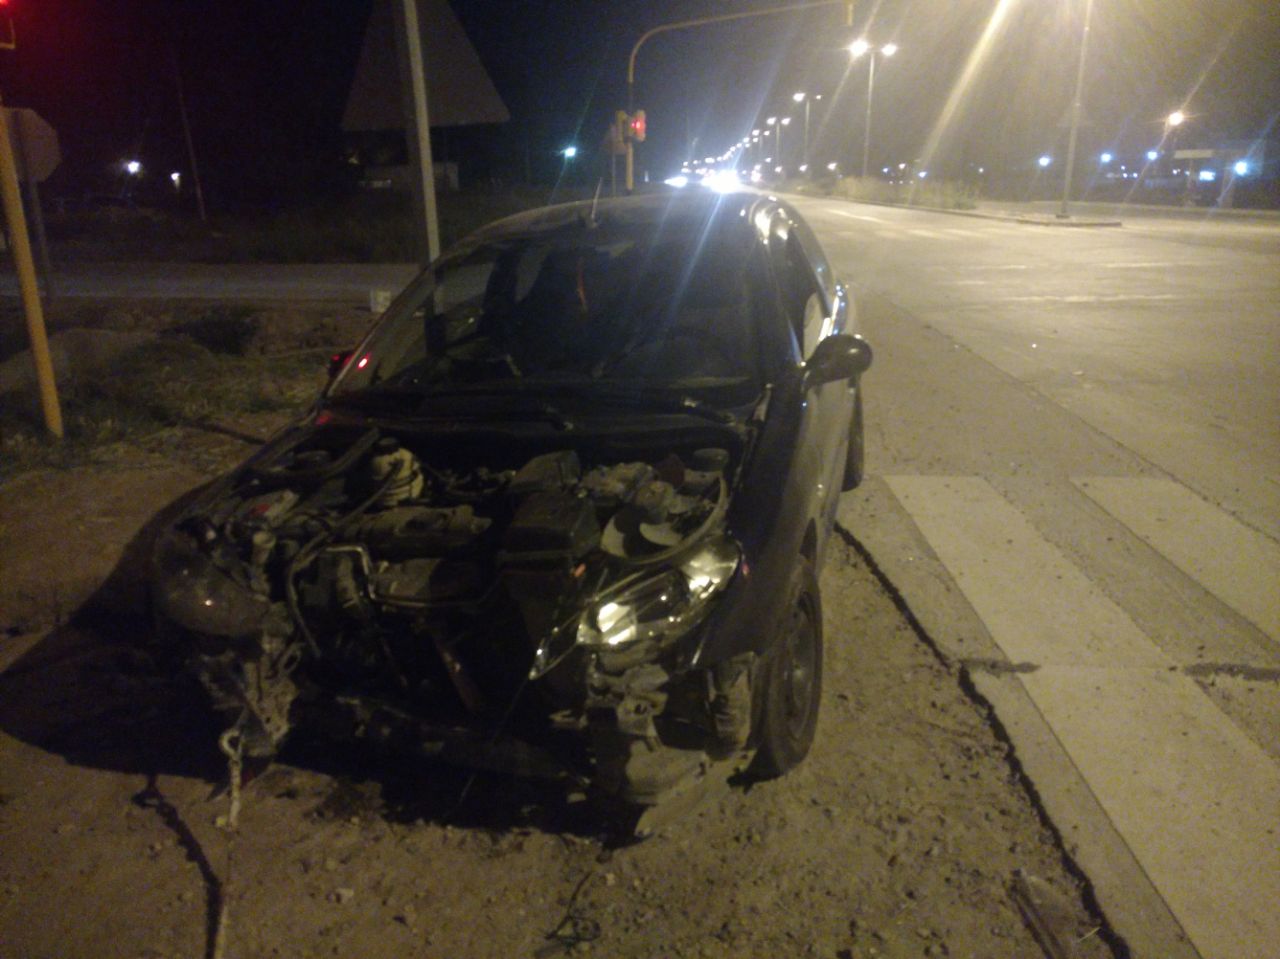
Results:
348 572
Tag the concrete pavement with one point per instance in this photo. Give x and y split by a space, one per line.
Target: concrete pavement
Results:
1072 445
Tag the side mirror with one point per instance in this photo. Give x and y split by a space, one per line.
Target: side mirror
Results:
338 361
838 357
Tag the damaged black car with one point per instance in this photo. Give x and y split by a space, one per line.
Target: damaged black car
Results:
560 514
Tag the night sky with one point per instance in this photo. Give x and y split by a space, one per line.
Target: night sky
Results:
265 81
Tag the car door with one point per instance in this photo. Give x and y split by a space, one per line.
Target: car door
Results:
810 305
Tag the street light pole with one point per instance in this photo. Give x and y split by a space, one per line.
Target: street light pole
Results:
1075 112
701 21
866 126
858 48
798 98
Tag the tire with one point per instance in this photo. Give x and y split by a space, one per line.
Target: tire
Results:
791 680
855 457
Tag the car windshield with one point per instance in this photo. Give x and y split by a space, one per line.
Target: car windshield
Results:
670 306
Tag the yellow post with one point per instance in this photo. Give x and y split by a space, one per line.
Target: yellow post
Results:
25 266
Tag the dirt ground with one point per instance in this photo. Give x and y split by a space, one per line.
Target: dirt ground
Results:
900 836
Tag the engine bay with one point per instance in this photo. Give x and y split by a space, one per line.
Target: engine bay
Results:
537 593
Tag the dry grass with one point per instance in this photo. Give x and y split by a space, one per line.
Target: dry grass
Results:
201 369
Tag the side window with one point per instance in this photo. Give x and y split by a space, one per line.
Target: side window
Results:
803 300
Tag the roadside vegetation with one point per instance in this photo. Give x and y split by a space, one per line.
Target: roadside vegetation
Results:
939 194
154 375
367 227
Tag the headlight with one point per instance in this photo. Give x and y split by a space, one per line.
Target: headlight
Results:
191 592
660 607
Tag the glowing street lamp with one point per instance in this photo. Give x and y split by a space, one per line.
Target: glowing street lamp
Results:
133 167
857 49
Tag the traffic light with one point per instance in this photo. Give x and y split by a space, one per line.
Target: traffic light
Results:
8 38
637 126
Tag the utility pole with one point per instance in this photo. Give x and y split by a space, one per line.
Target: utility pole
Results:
418 125
186 136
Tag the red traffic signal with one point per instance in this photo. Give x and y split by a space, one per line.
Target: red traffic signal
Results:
637 126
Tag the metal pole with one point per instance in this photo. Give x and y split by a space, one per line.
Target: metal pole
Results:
418 122
22 261
33 199
702 21
807 98
866 128
186 135
1075 112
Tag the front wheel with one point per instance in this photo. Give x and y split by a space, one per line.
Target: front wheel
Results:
791 680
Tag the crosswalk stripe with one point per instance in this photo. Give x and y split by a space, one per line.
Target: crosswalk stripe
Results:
1237 564
1039 606
1193 797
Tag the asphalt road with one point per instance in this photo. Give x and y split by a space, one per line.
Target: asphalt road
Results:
1074 454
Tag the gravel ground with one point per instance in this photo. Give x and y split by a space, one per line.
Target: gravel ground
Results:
901 835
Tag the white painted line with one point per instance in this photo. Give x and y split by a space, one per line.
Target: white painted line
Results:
1039 607
855 216
1089 298
1137 266
928 234
957 231
1196 800
1001 266
1237 564
968 282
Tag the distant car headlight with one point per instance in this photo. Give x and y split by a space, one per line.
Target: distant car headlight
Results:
664 606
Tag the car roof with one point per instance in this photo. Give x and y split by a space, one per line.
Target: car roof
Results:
642 211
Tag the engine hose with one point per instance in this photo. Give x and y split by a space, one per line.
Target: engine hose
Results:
308 553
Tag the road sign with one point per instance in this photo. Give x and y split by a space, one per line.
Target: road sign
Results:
35 144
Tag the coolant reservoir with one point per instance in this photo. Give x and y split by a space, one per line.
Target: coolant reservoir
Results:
397 467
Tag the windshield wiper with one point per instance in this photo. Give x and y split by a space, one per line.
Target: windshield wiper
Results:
664 401
416 403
